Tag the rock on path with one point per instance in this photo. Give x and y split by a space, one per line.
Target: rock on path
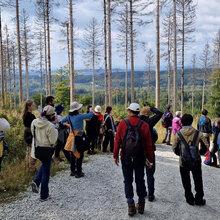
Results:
100 194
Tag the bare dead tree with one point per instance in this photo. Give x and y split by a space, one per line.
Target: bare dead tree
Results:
92 46
186 10
205 62
193 79
216 51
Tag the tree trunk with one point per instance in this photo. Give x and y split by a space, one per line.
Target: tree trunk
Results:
41 72
93 80
105 55
26 58
19 54
5 76
149 78
132 51
204 87
193 83
126 60
68 44
14 90
158 54
9 65
48 45
175 59
183 48
45 49
2 64
72 92
169 63
109 53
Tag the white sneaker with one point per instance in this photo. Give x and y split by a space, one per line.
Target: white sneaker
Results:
35 188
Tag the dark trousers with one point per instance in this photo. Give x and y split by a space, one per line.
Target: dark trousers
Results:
168 134
197 177
76 164
1 158
128 168
109 137
59 146
43 177
92 140
150 178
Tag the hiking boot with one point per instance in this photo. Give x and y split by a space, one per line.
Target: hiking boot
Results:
190 202
72 173
131 209
80 175
44 200
35 188
200 202
151 198
140 207
168 143
163 142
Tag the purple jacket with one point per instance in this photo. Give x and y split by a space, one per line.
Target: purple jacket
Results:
169 117
176 125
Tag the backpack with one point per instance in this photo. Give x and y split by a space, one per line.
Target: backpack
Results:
164 120
202 121
190 158
132 146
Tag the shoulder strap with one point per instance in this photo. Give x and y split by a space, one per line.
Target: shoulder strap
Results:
106 118
140 123
71 125
35 137
182 139
195 137
127 122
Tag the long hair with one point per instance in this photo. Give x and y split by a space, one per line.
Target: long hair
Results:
27 104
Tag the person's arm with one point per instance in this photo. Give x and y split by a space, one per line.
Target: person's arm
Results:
158 115
86 116
148 142
64 120
210 127
118 141
52 134
176 145
214 128
4 125
204 144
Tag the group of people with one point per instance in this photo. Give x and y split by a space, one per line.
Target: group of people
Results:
133 140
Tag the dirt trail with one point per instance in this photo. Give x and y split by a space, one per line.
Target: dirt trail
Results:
100 194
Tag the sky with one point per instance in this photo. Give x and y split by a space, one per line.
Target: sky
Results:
207 25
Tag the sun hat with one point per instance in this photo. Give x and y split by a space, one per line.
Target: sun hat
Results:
134 107
178 113
145 111
49 110
59 109
75 106
98 109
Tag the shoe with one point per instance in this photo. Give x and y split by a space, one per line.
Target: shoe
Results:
80 175
201 202
163 142
140 207
72 173
151 198
44 200
168 143
131 209
190 202
93 152
35 188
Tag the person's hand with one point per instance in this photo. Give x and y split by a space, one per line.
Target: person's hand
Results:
117 161
56 120
149 166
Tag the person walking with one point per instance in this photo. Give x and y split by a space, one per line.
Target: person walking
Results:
75 120
167 118
216 141
28 118
110 130
4 126
92 130
176 123
151 121
44 138
134 135
190 136
214 126
98 113
62 135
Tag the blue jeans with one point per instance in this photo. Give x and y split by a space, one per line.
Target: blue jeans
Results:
128 167
150 178
43 177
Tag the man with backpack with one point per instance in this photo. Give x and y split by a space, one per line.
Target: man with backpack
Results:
167 123
186 145
151 121
135 137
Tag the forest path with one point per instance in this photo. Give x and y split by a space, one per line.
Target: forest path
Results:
100 194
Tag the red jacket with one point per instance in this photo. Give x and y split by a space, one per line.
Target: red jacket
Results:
145 132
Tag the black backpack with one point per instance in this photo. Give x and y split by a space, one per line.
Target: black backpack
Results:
190 158
132 146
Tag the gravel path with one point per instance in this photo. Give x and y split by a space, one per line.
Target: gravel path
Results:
100 195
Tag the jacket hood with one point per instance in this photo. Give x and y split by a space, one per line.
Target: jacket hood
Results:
188 131
41 123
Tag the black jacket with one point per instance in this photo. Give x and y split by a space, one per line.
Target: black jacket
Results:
204 125
152 121
92 126
109 123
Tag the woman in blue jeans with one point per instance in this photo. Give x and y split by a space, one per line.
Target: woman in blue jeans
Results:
44 135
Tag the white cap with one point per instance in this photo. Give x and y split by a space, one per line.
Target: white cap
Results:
75 106
49 110
98 109
134 107
178 113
